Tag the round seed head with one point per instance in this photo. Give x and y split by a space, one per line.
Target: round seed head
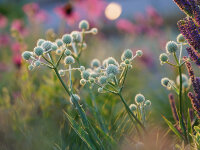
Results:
54 47
84 46
127 61
40 41
139 98
164 57
85 75
186 85
128 54
139 53
76 36
94 31
47 45
84 25
122 65
58 51
67 39
74 97
59 42
180 38
69 60
26 55
100 90
171 47
112 69
38 51
133 107
37 63
103 80
30 67
68 52
111 60
61 72
130 66
148 103
95 63
91 80
82 68
165 82
82 82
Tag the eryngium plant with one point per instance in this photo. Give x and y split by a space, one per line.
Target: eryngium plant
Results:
62 56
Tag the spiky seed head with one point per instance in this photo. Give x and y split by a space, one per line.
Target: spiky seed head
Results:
111 60
69 60
84 25
40 41
139 53
164 57
38 51
30 67
47 45
180 38
148 103
58 51
133 107
59 42
54 47
67 39
85 75
165 82
94 31
26 55
68 52
76 36
91 80
61 72
73 98
95 63
100 90
37 63
127 54
171 47
139 98
82 82
112 69
127 61
82 68
103 80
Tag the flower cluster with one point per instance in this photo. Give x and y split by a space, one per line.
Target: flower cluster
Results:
195 98
189 27
109 72
42 53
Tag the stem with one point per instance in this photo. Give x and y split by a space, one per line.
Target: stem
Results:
180 103
63 84
180 55
130 112
70 77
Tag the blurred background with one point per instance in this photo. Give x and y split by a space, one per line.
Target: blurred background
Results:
31 103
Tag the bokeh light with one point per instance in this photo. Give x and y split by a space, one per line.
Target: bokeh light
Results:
113 11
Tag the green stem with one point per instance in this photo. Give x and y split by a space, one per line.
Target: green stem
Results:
180 103
130 112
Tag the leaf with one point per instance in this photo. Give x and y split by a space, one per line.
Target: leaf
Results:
189 125
172 127
80 132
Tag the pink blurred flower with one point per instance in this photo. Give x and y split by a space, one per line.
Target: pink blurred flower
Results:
125 26
4 40
17 60
154 16
33 11
67 13
19 26
93 9
3 21
16 47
